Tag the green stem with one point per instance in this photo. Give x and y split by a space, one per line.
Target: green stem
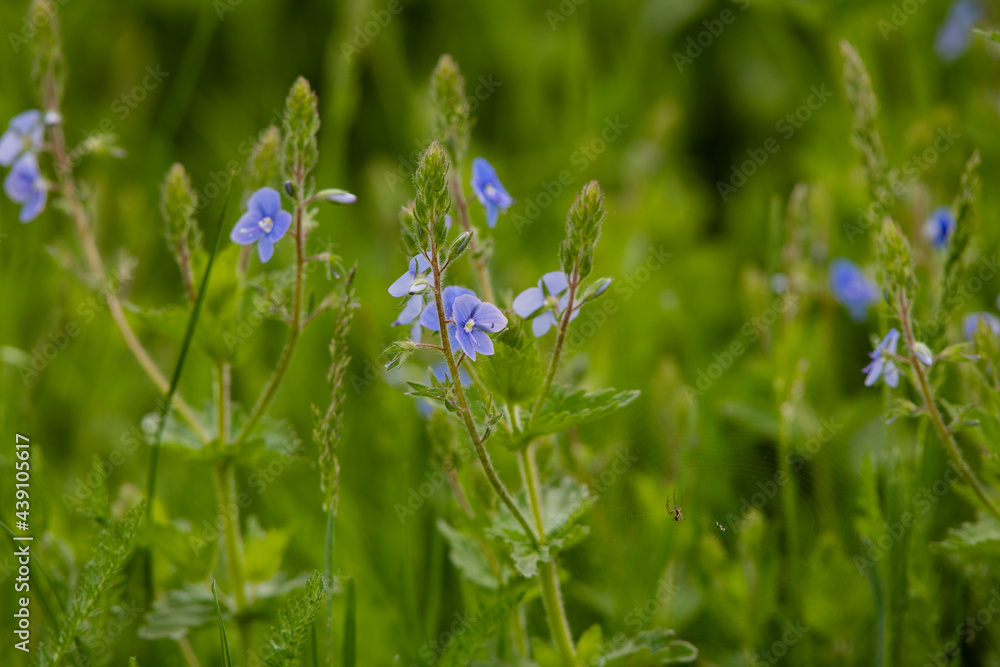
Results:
224 478
470 424
947 439
555 612
574 283
331 515
295 327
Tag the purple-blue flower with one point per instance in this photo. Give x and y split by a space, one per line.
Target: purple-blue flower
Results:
882 365
25 185
470 320
429 316
414 283
25 134
264 222
955 34
489 191
970 323
552 295
939 227
852 288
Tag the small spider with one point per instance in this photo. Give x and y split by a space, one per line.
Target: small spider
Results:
677 511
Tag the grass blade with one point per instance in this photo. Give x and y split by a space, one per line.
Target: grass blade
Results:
227 657
350 627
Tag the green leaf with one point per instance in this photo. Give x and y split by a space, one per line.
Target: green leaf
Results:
481 627
467 557
227 658
183 610
652 647
978 539
513 372
563 410
264 549
562 505
176 543
544 654
294 623
588 646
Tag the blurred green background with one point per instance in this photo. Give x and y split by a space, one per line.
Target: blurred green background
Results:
558 80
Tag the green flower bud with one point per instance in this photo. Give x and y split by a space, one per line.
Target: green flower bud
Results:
178 203
264 163
301 123
894 256
433 199
451 105
583 229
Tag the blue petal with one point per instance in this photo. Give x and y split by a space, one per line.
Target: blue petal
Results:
874 370
482 343
401 286
891 374
541 324
429 318
265 248
247 230
282 221
11 145
971 322
488 317
421 263
35 203
463 308
27 123
411 310
555 282
466 340
529 301
492 213
482 174
266 203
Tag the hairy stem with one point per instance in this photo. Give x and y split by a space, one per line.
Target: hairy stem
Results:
477 259
947 439
470 424
295 326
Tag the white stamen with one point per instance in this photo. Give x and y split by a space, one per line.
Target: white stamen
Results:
470 325
266 224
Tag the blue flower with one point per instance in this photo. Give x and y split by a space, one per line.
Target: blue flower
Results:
851 288
970 323
429 318
882 365
25 185
955 34
545 302
414 283
471 319
489 191
25 134
939 227
264 222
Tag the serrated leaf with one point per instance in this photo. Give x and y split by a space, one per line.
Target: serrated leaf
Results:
652 647
981 538
563 410
562 505
183 610
467 556
513 372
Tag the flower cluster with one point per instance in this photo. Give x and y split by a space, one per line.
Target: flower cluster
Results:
20 145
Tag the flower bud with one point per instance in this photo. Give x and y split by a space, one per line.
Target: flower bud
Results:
433 200
894 255
583 229
264 163
451 105
301 124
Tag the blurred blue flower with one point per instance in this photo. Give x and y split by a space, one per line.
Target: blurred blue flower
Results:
489 191
25 134
881 365
552 295
852 288
939 227
264 222
971 322
25 185
955 34
471 319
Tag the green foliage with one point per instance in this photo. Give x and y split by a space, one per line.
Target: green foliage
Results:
433 200
896 263
652 647
294 623
350 652
264 163
48 68
583 229
564 409
227 657
483 625
178 203
513 373
112 547
451 106
865 136
179 612
466 554
965 227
